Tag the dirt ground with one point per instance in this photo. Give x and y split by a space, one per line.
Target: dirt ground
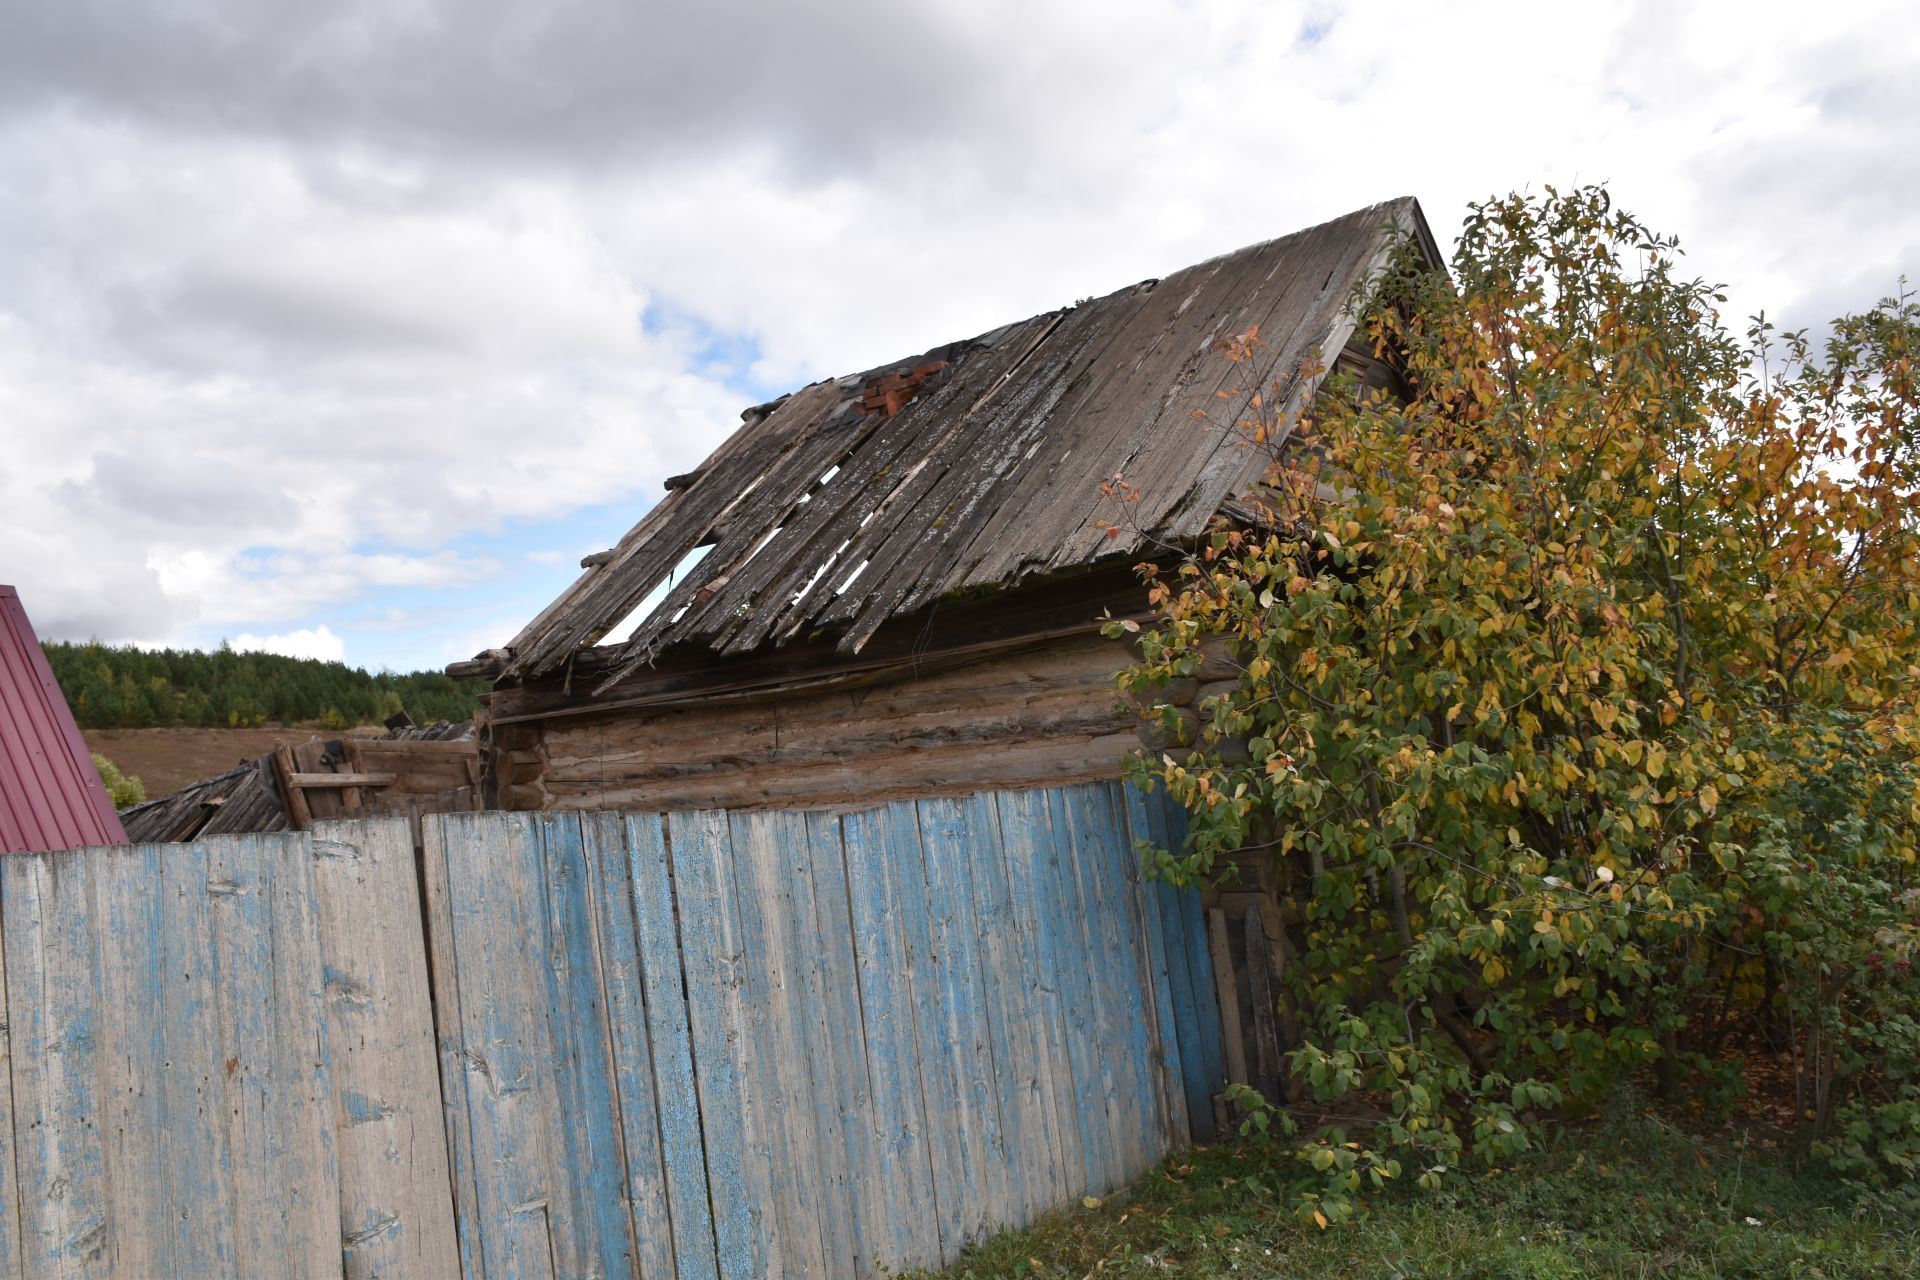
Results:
167 759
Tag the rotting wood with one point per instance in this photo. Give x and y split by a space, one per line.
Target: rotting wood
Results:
295 800
324 781
1225 983
989 473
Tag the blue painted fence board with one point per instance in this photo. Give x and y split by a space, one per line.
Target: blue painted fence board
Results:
694 1045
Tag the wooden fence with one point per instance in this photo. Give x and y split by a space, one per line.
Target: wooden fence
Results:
689 1045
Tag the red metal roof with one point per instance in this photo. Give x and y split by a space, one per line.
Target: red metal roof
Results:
51 796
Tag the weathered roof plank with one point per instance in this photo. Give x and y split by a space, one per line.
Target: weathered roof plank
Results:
977 464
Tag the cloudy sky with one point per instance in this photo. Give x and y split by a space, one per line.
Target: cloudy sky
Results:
347 328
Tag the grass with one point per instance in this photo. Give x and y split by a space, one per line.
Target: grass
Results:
1630 1198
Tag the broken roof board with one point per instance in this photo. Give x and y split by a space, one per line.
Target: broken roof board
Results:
823 516
51 796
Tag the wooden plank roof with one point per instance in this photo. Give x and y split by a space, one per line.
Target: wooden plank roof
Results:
974 466
51 796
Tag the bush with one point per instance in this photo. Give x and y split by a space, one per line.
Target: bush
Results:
121 789
1576 702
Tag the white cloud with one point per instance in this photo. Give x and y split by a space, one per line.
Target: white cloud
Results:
318 642
288 314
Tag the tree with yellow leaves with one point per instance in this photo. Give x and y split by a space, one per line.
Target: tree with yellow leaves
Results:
1576 703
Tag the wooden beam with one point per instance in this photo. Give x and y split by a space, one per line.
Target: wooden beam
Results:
304 781
416 746
298 815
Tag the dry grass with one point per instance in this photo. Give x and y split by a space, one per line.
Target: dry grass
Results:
167 759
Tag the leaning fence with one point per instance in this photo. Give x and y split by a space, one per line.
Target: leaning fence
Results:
709 1044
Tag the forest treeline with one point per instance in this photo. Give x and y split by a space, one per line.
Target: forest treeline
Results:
128 688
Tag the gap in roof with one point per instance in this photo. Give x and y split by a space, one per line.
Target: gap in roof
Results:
624 629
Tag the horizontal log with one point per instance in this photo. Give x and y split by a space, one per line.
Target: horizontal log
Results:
418 747
313 781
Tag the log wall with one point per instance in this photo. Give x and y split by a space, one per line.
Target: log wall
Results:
1033 716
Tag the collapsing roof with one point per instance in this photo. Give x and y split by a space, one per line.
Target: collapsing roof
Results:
975 466
252 796
51 796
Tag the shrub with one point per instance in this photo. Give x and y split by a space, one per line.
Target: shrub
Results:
121 789
1575 700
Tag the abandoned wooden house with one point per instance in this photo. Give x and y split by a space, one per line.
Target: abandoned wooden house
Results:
409 771
893 584
890 584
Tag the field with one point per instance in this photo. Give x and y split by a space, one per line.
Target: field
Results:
167 759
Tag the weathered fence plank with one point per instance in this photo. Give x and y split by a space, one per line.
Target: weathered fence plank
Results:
396 1205
676 1093
698 1045
847 1137
713 962
1026 833
9 1184
127 907
900 1222
444 971
1151 929
49 935
581 1109
272 1069
617 951
949 828
501 1045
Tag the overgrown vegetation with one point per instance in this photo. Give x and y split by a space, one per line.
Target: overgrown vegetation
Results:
129 688
1576 708
1631 1198
121 789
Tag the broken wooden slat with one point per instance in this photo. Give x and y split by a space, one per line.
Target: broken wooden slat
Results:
298 814
1229 989
335 781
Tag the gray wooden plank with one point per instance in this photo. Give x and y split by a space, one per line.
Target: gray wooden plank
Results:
396 1206
59 1164
676 1092
271 1061
134 972
10 1261
195 1214
448 1020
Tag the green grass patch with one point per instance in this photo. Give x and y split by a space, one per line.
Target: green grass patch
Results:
1632 1198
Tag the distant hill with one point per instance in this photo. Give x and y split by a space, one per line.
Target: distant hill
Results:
128 688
